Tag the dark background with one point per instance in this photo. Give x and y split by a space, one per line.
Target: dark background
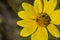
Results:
9 30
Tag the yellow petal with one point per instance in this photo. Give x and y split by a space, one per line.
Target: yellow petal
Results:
53 30
55 17
26 31
38 6
59 31
26 23
26 15
45 1
50 5
45 5
40 34
28 7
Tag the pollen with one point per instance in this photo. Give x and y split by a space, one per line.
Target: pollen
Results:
43 19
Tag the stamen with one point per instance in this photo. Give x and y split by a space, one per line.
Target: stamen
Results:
43 19
37 20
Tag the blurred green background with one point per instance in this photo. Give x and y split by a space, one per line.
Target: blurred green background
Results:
9 30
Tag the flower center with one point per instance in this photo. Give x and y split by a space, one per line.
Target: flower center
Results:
43 19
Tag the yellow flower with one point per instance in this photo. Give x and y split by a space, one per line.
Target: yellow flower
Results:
39 17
